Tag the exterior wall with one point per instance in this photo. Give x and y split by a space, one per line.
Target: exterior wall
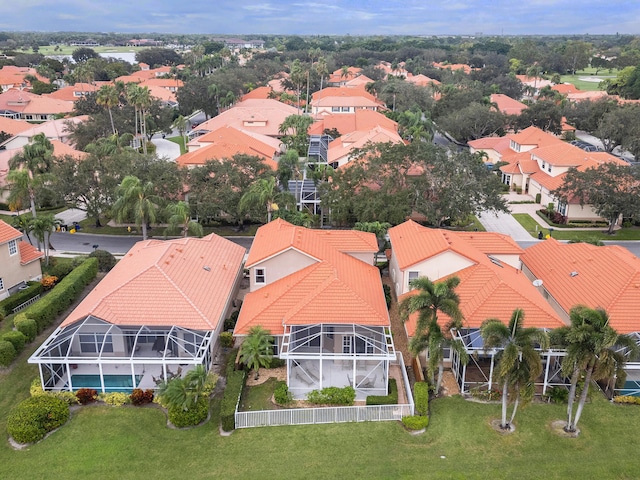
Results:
577 212
492 156
279 266
368 258
436 267
12 273
513 260
395 273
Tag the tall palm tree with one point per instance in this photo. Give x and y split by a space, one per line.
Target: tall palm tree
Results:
263 192
108 97
180 124
594 349
431 299
136 200
24 224
180 220
257 349
321 69
297 76
213 91
519 362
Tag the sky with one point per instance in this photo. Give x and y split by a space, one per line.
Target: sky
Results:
325 17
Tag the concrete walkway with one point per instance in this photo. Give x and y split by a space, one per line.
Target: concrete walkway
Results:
166 149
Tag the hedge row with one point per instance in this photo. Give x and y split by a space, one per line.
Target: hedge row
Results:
45 311
8 304
11 344
626 399
421 396
332 396
235 384
391 399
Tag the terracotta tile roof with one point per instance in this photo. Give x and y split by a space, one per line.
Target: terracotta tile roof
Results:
8 233
547 181
350 122
13 127
336 289
53 129
185 282
337 76
507 105
535 136
421 80
453 67
412 243
62 149
606 277
12 76
71 93
489 291
279 235
498 144
261 93
162 93
565 88
360 81
28 253
224 143
25 102
251 114
344 145
341 92
167 83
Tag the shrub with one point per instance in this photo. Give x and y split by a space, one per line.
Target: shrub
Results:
36 388
275 362
421 397
141 397
27 326
45 311
487 395
7 353
235 383
68 397
48 281
628 399
332 396
387 295
557 395
106 260
188 418
16 338
391 399
282 395
21 296
116 399
61 270
538 198
34 417
226 339
230 323
210 383
86 395
416 422
231 362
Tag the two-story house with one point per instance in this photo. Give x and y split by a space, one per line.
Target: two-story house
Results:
19 261
320 295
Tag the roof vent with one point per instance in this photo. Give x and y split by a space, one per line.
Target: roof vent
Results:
573 274
207 268
537 282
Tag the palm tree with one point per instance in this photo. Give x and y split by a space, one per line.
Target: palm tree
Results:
594 349
214 92
262 192
257 349
297 76
321 69
108 97
519 362
136 200
42 227
431 299
24 224
180 220
184 392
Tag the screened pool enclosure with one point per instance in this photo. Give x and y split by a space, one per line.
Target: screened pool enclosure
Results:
95 354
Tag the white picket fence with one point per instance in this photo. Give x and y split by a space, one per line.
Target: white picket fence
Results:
306 416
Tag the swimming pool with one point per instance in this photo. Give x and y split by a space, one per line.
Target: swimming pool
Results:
631 387
112 383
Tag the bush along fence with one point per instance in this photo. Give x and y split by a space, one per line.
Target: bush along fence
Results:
38 316
378 408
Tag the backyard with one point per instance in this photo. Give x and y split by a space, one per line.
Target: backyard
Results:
459 443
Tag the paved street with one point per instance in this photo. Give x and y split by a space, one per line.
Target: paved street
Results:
64 242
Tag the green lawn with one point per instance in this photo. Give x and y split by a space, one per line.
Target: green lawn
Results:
529 223
180 141
259 396
137 443
588 72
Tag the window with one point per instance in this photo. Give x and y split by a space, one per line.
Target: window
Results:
413 275
543 165
274 346
562 208
549 168
92 343
347 342
345 109
335 109
13 247
1 284
260 275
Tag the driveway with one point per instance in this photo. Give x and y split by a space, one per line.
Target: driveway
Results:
165 148
504 223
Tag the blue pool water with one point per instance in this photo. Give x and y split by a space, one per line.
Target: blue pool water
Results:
631 387
112 383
